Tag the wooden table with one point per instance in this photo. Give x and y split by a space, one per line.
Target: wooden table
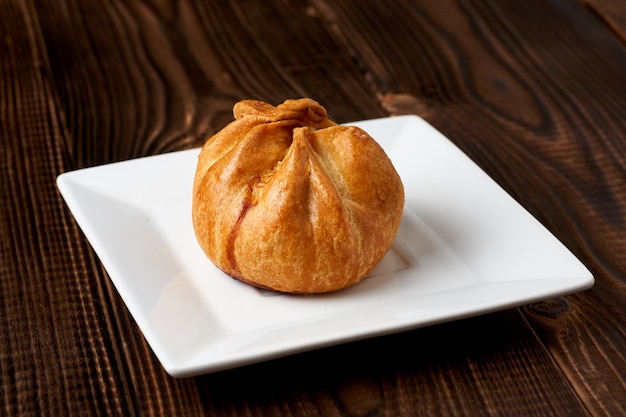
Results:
533 91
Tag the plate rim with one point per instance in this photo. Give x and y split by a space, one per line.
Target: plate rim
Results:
66 183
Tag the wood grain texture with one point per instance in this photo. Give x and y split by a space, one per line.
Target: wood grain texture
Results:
547 122
52 356
532 91
611 13
164 78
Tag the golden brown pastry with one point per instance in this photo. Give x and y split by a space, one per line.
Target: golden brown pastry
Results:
287 200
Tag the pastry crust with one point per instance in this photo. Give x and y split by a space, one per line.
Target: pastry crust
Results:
285 199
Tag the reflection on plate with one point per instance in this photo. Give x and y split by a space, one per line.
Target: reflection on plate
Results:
464 248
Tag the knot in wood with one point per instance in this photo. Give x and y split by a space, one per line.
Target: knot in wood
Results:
550 308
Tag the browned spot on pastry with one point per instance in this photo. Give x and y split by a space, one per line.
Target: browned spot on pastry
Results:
230 248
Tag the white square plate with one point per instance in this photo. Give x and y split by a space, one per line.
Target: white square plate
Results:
464 248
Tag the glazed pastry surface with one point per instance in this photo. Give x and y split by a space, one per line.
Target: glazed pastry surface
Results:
285 199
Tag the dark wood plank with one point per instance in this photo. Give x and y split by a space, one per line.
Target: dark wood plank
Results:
535 94
80 92
53 357
164 78
85 83
610 12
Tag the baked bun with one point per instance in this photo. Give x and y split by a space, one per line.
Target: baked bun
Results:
287 200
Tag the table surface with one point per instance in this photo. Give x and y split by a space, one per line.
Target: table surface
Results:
533 91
